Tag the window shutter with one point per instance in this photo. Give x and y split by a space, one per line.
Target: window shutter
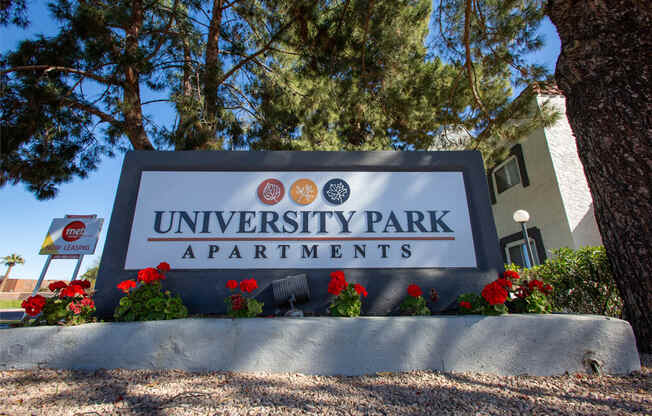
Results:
517 151
490 182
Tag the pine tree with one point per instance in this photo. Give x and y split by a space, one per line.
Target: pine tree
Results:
360 78
69 100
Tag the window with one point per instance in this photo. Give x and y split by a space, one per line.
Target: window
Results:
516 253
506 175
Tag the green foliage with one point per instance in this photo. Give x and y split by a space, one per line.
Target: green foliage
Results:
414 306
534 302
251 309
10 303
347 303
371 85
148 303
280 74
511 293
56 311
12 260
13 12
91 274
65 310
583 281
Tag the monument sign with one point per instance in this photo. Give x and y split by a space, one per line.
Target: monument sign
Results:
387 219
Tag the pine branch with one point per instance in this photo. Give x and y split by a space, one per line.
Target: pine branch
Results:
48 68
249 58
162 100
468 64
337 30
227 5
165 31
107 118
364 40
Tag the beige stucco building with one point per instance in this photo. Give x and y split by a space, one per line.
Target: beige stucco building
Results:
544 176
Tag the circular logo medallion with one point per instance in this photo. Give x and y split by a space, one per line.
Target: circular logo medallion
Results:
303 191
337 191
271 191
73 231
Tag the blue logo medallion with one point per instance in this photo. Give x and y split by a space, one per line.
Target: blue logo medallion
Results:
336 191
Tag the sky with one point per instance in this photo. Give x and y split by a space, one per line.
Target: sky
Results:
24 220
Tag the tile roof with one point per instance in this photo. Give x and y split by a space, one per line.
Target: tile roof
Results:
546 88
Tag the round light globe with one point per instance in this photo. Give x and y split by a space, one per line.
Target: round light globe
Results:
521 216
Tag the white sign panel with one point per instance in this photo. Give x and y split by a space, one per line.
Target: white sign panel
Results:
301 220
72 236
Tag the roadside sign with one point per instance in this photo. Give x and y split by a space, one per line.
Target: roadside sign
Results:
72 236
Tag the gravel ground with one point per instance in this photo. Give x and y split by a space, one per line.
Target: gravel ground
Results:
127 392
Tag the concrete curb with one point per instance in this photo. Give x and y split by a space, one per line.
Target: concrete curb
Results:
541 345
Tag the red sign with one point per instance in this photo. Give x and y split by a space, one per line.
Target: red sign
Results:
73 231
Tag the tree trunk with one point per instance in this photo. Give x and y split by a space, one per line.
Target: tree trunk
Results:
604 72
133 109
3 282
213 68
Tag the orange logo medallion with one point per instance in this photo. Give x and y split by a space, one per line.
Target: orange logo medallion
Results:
303 191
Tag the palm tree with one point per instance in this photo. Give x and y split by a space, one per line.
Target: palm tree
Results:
10 261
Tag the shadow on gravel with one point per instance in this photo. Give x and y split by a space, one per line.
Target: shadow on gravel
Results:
141 392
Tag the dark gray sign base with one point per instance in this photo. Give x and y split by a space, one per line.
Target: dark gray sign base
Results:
203 291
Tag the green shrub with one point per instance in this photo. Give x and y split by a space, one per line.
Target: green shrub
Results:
582 281
148 303
145 301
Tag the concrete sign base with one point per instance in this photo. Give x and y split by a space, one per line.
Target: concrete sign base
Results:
541 345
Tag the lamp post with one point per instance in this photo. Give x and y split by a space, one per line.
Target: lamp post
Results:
522 216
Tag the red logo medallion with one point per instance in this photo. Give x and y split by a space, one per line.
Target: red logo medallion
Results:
271 191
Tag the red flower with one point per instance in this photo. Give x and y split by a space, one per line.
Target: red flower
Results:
72 291
88 302
360 289
522 292
126 285
536 283
57 285
504 283
149 275
494 293
84 284
248 285
511 274
336 286
33 305
414 291
465 305
232 284
163 267
338 275
547 289
237 302
74 308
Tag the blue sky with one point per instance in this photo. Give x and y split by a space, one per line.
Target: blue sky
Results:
24 220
